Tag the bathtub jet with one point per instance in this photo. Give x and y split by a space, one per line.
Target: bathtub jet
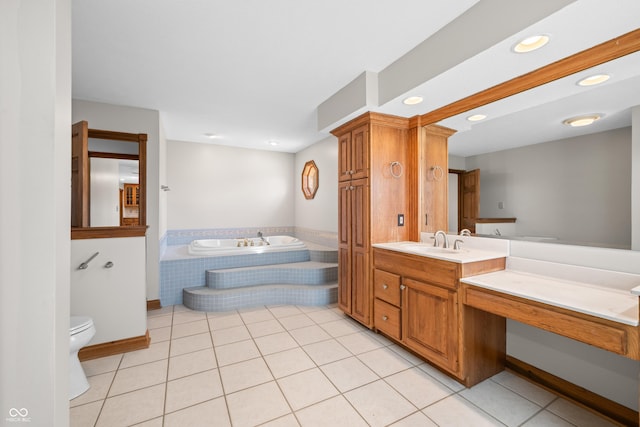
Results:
226 247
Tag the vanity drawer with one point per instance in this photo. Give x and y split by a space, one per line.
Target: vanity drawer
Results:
387 318
386 286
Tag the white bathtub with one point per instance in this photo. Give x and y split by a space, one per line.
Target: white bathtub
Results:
226 247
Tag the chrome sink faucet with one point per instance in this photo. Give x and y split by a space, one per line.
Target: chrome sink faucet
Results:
445 244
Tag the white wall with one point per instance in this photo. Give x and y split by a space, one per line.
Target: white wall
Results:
105 192
321 212
35 176
113 297
635 178
215 186
576 189
134 120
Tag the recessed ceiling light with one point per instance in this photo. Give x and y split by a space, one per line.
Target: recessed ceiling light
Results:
476 117
272 143
531 43
211 135
594 80
412 100
582 120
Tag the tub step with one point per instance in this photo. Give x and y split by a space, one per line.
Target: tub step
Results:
301 273
203 298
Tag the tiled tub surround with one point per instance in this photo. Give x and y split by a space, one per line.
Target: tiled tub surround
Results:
296 366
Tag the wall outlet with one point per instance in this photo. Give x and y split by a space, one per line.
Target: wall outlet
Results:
400 220
500 205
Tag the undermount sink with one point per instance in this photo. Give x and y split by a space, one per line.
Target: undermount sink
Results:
427 248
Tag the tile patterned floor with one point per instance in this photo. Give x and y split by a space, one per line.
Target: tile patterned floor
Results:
296 366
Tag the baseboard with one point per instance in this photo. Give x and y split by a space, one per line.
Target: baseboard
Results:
114 347
577 394
153 304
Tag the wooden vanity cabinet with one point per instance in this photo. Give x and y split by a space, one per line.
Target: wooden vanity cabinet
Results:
466 343
370 198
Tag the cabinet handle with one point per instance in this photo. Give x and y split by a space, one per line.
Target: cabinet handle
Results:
385 318
426 219
385 286
402 287
351 187
351 172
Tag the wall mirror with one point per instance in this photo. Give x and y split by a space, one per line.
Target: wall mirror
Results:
310 180
108 179
562 184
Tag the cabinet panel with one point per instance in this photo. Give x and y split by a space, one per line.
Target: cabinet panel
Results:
360 288
360 152
430 322
387 319
386 286
344 157
344 279
344 213
360 214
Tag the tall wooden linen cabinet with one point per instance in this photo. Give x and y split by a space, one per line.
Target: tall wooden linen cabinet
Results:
374 190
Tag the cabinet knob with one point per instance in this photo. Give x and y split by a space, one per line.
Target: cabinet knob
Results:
402 287
351 172
385 286
351 187
385 318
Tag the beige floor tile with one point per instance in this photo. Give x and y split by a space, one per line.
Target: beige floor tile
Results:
288 362
547 419
334 412
191 363
188 316
379 404
444 379
224 320
243 375
98 389
191 390
191 328
577 415
455 411
412 358
296 322
417 419
257 405
160 334
156 422
256 314
286 421
159 321
230 335
236 352
359 342
131 408
84 415
418 387
101 365
139 376
190 344
348 374
276 342
280 311
324 316
311 308
326 352
209 413
524 388
309 335
166 310
306 388
385 362
157 351
505 405
180 307
338 328
267 327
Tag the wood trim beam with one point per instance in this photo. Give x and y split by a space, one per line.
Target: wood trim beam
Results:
104 155
604 52
580 395
78 233
114 347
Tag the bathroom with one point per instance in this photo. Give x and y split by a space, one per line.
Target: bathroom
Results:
285 207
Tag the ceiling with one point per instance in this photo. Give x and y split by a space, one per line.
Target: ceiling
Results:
255 71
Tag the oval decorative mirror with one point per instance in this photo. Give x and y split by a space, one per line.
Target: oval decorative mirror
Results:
310 179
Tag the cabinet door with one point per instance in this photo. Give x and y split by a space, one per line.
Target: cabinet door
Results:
361 294
360 289
430 322
360 152
344 157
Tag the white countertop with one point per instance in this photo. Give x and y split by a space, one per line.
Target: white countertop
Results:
459 256
608 302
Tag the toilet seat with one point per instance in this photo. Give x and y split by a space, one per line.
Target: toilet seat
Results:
79 324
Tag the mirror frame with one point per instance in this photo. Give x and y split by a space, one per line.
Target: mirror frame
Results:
309 169
82 203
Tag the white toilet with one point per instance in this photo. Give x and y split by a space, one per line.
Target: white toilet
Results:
81 331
